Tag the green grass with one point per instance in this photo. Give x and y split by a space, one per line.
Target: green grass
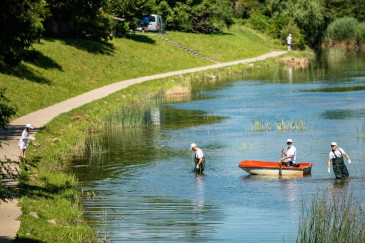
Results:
332 218
60 69
239 42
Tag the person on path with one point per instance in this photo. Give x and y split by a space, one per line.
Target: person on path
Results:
198 158
336 157
290 154
288 41
23 141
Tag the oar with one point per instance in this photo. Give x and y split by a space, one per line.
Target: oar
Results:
280 166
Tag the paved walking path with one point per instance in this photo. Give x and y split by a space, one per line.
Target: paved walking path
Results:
9 212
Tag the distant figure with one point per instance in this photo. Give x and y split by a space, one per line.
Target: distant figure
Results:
288 41
339 167
198 158
290 155
23 141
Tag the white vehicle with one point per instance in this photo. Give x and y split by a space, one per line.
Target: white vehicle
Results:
155 23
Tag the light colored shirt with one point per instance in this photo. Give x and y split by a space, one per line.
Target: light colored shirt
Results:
291 151
337 152
199 153
288 40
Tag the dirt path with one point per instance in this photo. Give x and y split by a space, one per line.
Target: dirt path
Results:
9 212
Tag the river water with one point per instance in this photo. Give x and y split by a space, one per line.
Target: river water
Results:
142 188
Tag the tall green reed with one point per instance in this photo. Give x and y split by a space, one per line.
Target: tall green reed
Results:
332 218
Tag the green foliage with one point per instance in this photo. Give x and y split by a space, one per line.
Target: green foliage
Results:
297 37
20 25
6 110
332 218
360 33
129 10
244 8
342 29
78 18
260 22
309 16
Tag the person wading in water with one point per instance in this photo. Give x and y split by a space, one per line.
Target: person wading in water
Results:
198 158
339 167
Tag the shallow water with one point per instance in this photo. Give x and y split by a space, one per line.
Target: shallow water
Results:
143 184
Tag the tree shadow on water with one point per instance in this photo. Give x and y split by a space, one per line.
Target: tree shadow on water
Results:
90 46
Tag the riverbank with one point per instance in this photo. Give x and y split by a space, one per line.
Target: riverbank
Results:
46 188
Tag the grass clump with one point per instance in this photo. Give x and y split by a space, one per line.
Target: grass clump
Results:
280 124
337 218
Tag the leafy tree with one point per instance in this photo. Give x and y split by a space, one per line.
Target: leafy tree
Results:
20 25
310 18
129 10
78 18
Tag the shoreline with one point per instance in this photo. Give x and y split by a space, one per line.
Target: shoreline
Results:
42 117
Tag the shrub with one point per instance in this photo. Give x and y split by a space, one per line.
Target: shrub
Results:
297 37
360 33
260 22
342 29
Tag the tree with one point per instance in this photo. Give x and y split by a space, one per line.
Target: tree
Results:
129 10
20 25
78 18
309 17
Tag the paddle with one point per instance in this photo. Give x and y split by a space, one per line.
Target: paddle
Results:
280 166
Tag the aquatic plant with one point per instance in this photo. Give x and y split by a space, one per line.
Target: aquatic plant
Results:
281 125
360 133
335 218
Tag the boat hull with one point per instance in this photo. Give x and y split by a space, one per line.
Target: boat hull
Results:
266 168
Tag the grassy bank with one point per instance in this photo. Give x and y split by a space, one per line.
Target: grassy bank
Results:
60 69
51 198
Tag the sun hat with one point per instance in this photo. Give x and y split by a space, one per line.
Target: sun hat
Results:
334 143
289 141
29 126
192 145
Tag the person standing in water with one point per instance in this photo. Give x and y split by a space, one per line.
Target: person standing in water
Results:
336 157
198 158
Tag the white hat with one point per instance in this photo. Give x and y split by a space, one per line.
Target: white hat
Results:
334 143
29 126
192 145
289 141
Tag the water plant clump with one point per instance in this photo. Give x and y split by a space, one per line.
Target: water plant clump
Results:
280 124
335 218
360 132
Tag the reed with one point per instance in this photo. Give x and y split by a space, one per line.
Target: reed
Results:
335 218
360 132
281 125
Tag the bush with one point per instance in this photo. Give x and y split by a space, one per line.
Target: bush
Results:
342 29
297 37
360 33
260 22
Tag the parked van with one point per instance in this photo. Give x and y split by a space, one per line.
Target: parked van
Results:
155 23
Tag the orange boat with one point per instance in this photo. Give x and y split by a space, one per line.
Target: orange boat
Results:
255 167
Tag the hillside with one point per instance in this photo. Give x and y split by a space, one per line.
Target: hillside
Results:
56 70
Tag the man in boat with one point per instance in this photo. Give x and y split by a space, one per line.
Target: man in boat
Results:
290 155
198 158
339 167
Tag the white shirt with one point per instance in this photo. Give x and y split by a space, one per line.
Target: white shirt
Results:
337 152
199 153
291 151
288 40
